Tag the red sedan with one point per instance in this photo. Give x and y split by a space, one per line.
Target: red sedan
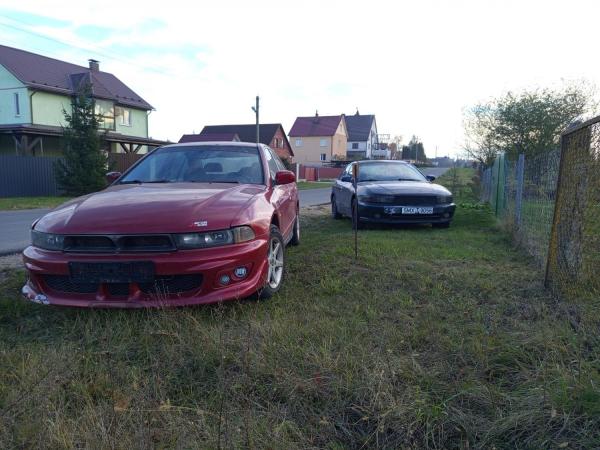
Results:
188 224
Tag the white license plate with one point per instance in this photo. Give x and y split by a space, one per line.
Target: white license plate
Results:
417 210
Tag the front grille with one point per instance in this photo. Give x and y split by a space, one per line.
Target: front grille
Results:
119 243
415 200
162 285
172 284
63 283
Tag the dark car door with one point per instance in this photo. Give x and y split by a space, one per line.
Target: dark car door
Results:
345 191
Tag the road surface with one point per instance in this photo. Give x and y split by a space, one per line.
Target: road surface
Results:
312 197
14 229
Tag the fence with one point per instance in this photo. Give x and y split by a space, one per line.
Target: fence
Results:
318 172
31 176
551 204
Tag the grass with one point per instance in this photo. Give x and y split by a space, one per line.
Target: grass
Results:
30 202
313 184
432 339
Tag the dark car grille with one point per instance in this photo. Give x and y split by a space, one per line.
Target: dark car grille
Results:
162 285
416 200
118 243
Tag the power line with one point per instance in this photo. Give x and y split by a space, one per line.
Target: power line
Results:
87 49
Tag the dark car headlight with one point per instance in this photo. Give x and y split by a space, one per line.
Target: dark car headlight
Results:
47 241
444 199
210 239
376 198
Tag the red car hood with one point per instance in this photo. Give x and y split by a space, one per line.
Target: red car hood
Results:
151 208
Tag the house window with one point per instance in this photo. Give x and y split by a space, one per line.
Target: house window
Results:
105 112
298 142
323 156
355 146
124 116
17 105
323 142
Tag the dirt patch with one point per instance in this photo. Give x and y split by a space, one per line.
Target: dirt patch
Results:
314 211
11 261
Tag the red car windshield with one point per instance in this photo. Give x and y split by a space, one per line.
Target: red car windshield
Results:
201 164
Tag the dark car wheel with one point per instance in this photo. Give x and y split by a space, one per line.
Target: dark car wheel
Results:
296 233
356 222
276 264
441 225
334 211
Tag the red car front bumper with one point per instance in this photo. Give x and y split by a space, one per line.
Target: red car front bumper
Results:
184 277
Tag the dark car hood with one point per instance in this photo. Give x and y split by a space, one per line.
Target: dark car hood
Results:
151 208
401 188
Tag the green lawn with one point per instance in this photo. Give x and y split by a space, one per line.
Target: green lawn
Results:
313 184
31 202
432 339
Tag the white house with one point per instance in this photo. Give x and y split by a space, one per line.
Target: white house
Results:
362 135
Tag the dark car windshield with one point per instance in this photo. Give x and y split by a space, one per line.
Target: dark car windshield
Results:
389 171
199 164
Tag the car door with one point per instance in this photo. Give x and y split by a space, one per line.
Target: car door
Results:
346 189
283 195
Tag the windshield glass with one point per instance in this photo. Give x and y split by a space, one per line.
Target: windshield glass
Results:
389 171
201 164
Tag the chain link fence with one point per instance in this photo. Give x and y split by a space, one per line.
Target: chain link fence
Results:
551 205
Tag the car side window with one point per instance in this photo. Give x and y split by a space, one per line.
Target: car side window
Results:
280 165
273 169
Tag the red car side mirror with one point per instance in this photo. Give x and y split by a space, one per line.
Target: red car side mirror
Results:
285 177
112 176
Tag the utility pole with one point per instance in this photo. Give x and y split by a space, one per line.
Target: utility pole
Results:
255 109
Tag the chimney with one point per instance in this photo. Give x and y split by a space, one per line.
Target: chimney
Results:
94 65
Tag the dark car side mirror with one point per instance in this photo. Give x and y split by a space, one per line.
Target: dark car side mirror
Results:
346 178
112 176
285 177
430 177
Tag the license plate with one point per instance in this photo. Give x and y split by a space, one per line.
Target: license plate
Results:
409 210
112 272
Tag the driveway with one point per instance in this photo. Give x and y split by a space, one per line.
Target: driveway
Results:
312 197
14 229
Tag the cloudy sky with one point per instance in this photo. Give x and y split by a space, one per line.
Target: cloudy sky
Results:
416 65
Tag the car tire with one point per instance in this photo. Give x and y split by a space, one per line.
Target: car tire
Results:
270 288
441 225
356 222
334 211
296 233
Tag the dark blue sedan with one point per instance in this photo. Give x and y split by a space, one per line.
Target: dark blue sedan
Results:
393 192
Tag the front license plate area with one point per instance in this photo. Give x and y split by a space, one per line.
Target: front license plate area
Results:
112 272
409 210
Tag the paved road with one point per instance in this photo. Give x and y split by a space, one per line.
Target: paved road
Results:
14 229
312 197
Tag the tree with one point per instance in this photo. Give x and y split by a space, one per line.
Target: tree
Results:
84 165
414 150
528 122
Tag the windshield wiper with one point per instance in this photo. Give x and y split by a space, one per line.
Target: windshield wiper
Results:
408 179
140 181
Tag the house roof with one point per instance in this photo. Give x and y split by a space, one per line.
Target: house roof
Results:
209 137
315 126
247 133
49 74
359 126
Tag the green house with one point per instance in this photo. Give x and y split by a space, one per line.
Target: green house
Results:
35 90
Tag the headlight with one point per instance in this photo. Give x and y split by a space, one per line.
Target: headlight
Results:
376 198
444 199
47 241
213 238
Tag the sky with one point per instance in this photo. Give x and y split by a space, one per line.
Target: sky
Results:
416 65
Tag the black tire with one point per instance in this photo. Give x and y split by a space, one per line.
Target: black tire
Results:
441 225
356 222
268 291
334 211
296 233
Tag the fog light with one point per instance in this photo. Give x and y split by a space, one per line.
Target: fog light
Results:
378 216
41 299
240 272
224 280
446 215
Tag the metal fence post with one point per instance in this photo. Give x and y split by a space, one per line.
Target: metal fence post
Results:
520 182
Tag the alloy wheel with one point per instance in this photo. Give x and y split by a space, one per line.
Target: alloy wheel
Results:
275 263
